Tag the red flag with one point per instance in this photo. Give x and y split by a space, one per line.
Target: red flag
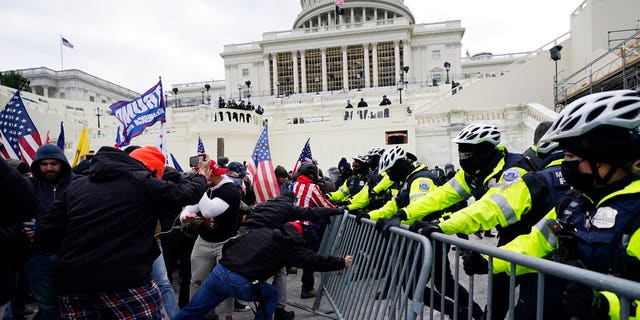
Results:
265 184
19 135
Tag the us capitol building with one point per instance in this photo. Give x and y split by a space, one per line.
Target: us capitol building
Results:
304 77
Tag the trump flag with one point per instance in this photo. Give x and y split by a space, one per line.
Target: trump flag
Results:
138 114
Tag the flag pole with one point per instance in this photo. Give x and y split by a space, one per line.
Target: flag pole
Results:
61 63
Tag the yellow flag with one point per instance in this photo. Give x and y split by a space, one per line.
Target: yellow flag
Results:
83 147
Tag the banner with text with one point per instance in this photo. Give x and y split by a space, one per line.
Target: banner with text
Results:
138 114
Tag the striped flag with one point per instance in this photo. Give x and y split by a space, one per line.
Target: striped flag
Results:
66 43
305 156
19 135
200 145
265 184
339 8
340 3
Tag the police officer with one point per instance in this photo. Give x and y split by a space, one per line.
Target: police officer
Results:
600 218
513 210
378 189
354 183
484 166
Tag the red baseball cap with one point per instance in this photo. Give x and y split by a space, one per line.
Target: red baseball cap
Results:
216 169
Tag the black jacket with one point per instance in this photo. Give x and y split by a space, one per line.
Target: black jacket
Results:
275 212
17 198
260 253
105 223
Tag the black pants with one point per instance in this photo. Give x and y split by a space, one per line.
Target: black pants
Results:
312 242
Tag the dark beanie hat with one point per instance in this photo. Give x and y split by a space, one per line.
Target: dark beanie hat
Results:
152 158
281 172
343 164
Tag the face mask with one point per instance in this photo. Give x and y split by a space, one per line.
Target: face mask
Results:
583 182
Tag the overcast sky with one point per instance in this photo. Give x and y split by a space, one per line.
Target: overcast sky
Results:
133 42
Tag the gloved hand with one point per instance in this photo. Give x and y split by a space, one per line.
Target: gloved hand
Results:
474 263
361 214
384 225
582 302
430 228
342 209
417 226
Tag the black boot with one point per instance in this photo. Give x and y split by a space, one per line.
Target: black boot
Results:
282 314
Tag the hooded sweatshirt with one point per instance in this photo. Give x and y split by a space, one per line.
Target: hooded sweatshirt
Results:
104 223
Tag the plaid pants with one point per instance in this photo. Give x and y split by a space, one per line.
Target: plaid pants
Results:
142 302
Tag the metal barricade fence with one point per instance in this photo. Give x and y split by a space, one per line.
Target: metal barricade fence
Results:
386 278
626 290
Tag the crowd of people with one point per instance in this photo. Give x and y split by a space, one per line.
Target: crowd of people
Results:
232 104
104 241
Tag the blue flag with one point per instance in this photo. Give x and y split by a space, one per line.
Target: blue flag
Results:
60 142
200 146
138 114
118 139
175 163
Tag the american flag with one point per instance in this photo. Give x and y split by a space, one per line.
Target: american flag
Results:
305 156
200 146
264 183
340 3
118 138
66 43
19 135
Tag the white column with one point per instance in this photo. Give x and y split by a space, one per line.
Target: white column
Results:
267 79
352 14
396 55
375 14
274 57
374 48
324 69
345 67
294 57
45 91
406 52
366 64
303 70
319 21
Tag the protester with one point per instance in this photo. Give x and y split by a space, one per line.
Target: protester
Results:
18 202
103 226
248 261
385 101
51 177
216 216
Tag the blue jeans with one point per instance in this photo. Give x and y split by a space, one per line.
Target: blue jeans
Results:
222 284
40 272
159 274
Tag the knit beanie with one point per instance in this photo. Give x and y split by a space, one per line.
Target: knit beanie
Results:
152 158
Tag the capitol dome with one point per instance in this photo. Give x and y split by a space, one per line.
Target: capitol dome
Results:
317 13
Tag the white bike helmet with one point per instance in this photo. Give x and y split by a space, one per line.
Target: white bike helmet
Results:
478 133
361 157
544 147
390 157
620 108
375 151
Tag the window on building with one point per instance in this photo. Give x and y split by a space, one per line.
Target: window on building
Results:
285 72
245 72
62 95
92 98
386 64
355 60
314 70
334 67
435 54
396 137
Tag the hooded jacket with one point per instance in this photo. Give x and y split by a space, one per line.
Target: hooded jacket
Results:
46 192
277 211
104 223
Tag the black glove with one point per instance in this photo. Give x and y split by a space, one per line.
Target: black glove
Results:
582 302
362 215
384 225
474 263
430 228
342 209
416 226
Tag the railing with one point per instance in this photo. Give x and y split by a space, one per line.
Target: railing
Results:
611 62
392 269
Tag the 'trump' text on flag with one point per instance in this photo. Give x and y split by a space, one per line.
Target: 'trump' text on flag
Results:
20 137
264 179
138 114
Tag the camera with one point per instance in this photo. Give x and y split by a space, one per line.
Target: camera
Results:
195 160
